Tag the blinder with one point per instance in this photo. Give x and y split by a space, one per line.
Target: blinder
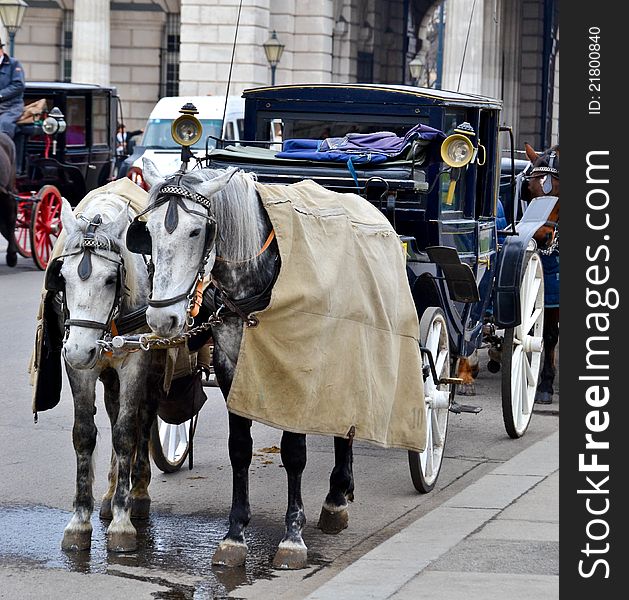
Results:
54 281
138 238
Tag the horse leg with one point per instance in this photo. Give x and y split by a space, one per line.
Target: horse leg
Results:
292 552
141 473
112 393
334 515
544 392
468 371
8 218
232 551
77 534
121 534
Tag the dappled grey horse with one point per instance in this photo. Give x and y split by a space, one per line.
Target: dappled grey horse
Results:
101 283
212 222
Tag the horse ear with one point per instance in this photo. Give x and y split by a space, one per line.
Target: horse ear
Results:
119 224
530 153
68 218
150 173
211 187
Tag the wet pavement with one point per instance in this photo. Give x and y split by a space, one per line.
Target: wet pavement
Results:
167 543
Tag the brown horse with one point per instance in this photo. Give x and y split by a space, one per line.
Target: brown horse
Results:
543 180
8 205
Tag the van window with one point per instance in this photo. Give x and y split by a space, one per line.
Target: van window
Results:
158 135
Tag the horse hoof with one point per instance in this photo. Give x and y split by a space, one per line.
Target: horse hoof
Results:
230 554
105 510
140 508
291 555
75 541
11 259
466 389
333 520
122 541
543 398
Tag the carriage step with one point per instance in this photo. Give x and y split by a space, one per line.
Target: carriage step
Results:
457 408
451 381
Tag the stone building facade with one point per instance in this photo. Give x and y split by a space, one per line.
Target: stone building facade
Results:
151 48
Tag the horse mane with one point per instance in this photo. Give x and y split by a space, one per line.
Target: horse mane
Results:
236 211
109 205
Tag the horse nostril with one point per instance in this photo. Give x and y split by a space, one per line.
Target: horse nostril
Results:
173 323
92 353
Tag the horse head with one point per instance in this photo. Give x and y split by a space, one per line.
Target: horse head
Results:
90 274
182 226
542 179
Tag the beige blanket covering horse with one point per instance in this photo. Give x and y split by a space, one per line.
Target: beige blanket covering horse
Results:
337 347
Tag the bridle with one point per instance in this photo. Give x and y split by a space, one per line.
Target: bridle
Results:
546 172
138 238
89 245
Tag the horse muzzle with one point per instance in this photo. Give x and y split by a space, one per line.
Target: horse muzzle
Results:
80 356
166 321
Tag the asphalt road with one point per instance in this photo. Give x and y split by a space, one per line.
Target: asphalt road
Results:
190 508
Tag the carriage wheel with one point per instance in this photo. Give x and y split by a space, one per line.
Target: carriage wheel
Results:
135 175
425 466
522 349
23 227
170 444
45 224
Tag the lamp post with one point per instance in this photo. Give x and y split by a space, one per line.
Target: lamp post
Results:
416 66
12 12
273 50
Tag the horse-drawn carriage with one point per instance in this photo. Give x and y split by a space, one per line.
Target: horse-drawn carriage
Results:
434 175
64 148
466 275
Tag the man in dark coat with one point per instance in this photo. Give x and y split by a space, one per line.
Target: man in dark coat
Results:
11 91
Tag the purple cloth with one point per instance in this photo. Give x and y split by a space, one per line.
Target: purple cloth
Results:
360 147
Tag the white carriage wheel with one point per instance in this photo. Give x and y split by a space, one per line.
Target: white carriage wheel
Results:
522 350
425 466
170 444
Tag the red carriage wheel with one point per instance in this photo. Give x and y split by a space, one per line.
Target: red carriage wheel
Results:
135 175
23 227
45 224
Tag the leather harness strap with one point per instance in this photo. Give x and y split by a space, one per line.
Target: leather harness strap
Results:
269 239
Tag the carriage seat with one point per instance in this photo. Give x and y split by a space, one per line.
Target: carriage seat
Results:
22 132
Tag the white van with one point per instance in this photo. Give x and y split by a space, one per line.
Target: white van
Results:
157 142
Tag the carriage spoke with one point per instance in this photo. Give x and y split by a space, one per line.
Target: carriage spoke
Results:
532 320
528 303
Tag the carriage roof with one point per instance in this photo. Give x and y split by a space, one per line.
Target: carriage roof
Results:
371 94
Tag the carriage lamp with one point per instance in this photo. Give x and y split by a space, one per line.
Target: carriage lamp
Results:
54 122
457 151
186 129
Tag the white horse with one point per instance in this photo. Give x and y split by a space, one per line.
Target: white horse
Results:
101 283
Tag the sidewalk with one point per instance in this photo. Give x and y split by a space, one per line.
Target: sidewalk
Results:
498 539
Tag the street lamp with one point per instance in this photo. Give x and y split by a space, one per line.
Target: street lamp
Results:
416 66
273 50
12 12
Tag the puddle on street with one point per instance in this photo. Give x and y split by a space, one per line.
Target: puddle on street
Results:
181 544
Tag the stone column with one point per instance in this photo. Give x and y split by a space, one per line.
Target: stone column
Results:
90 42
458 17
207 37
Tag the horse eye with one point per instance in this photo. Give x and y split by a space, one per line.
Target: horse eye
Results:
195 233
110 281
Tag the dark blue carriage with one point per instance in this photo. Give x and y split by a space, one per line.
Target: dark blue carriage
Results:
468 255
